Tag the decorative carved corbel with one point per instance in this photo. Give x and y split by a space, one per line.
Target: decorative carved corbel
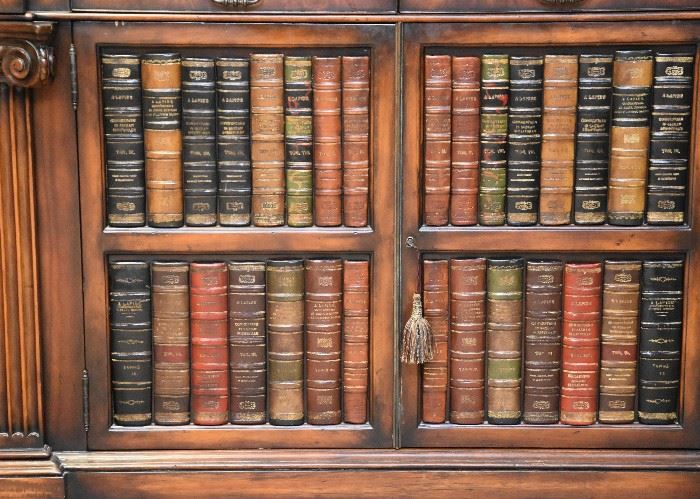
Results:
26 56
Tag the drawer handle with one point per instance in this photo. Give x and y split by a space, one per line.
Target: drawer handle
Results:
236 3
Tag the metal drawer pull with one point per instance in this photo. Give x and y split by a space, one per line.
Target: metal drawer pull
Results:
236 3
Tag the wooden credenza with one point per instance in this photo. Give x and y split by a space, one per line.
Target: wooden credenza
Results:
57 436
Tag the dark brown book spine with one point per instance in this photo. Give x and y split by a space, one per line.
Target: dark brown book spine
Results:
558 131
504 327
619 335
162 117
629 136
267 134
328 174
285 334
130 340
437 107
247 342
580 343
171 342
467 340
356 306
464 175
209 315
356 102
323 317
436 300
543 309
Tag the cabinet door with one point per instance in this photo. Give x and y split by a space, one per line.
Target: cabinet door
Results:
103 243
568 243
242 6
582 6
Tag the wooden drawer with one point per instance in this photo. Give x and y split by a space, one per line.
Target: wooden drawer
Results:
502 6
258 6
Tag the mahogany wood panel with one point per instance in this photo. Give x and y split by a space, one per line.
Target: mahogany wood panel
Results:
543 5
11 6
540 241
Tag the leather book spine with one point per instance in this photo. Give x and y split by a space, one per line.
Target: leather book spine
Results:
619 341
323 317
524 140
592 139
660 341
233 163
267 134
558 131
199 140
436 300
493 133
162 122
356 102
123 135
629 142
171 342
580 354
247 342
543 310
209 315
285 336
328 173
437 123
467 340
298 141
504 327
670 138
130 340
356 305
464 174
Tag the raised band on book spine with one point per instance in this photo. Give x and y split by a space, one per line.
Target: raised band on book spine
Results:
162 117
267 133
247 342
464 175
209 317
558 129
171 342
199 140
618 355
356 300
543 300
323 318
660 341
356 102
580 343
328 175
467 339
437 105
130 340
436 300
285 334
123 129
233 141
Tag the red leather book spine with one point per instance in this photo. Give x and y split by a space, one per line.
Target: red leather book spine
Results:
467 340
464 184
356 299
580 343
209 314
438 129
356 101
436 299
328 175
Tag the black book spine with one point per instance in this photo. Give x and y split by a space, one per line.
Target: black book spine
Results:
199 141
233 140
524 140
592 139
660 341
670 138
130 340
123 130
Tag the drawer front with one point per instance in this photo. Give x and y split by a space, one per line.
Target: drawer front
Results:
241 6
503 6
